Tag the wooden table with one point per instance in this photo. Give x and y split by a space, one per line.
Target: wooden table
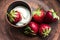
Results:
7 32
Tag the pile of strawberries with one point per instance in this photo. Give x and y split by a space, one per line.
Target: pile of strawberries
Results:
40 22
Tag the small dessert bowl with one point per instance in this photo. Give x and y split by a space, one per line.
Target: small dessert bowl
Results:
15 4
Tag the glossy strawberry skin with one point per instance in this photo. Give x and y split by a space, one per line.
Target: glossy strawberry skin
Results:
51 16
18 17
32 28
39 18
44 30
48 17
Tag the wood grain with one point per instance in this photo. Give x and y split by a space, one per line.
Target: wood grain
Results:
7 32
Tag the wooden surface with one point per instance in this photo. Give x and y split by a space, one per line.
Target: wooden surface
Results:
7 32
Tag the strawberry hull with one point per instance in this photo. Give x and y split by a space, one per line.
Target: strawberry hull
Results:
32 28
14 16
51 16
39 15
18 17
44 30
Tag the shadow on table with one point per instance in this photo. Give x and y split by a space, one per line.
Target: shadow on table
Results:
17 33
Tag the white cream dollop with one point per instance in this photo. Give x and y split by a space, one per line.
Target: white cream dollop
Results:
25 14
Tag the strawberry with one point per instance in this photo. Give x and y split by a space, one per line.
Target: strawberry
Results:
44 30
32 28
38 15
14 16
51 16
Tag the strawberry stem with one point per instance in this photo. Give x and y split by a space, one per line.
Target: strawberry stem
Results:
37 12
54 14
29 31
10 18
46 32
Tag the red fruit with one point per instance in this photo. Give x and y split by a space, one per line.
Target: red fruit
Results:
32 28
38 15
51 16
14 16
44 30
18 17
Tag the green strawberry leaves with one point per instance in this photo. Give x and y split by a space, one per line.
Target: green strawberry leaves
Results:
37 12
54 14
12 13
46 32
29 31
11 16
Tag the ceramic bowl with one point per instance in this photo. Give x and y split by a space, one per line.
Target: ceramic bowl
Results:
15 4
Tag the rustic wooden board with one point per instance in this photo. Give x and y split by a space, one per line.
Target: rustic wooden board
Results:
7 32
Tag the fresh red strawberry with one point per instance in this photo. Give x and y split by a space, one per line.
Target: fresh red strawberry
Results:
38 15
51 16
44 30
32 28
14 16
18 16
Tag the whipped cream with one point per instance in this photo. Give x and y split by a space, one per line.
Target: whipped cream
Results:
25 14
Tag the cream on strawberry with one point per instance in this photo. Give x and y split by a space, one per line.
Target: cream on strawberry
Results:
25 14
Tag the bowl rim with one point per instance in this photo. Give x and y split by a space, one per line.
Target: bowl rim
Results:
16 25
